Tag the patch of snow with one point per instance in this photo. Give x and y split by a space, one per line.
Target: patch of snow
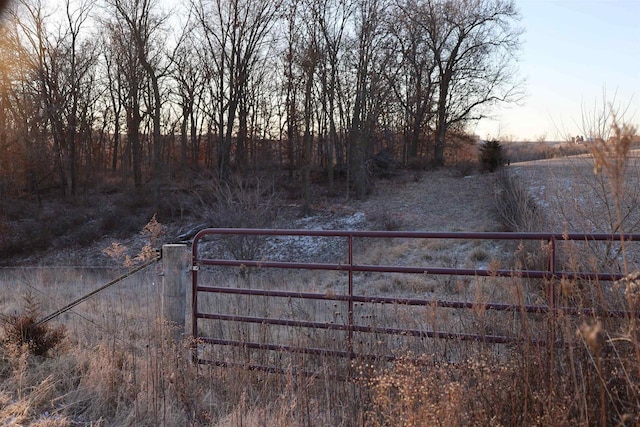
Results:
315 249
299 248
332 222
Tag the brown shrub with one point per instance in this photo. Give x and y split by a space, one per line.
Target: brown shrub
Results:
22 330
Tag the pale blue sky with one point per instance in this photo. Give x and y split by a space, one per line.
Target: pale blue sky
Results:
573 51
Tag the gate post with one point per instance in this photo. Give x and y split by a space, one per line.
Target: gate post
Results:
175 272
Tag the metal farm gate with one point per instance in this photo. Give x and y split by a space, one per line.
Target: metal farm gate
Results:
259 300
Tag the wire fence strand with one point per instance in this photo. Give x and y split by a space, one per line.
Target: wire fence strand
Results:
96 291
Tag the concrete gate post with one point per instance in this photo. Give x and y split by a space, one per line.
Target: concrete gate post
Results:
175 281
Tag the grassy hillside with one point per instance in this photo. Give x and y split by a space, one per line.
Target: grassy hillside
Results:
112 363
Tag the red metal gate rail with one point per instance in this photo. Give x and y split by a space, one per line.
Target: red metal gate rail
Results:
550 275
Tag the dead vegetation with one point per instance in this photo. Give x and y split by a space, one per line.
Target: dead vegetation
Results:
119 367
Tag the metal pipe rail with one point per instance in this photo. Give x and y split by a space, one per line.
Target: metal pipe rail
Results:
550 275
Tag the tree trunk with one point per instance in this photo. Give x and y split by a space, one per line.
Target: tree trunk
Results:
183 137
441 130
133 140
307 139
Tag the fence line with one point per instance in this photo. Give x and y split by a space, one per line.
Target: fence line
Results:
550 275
61 267
95 292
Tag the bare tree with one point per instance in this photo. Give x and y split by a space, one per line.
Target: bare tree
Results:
291 83
23 149
63 65
114 91
126 86
411 75
81 63
27 65
7 127
308 63
473 44
349 77
236 33
143 25
261 106
333 17
188 71
368 87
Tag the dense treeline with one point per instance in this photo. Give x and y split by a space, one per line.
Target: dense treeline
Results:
129 89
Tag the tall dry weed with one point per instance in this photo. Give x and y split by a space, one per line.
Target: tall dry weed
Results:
515 205
604 353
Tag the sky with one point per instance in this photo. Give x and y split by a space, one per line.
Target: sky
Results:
577 57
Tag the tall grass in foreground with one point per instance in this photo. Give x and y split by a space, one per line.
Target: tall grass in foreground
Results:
595 366
119 366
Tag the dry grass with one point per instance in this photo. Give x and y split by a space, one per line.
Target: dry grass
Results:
517 152
131 373
119 365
